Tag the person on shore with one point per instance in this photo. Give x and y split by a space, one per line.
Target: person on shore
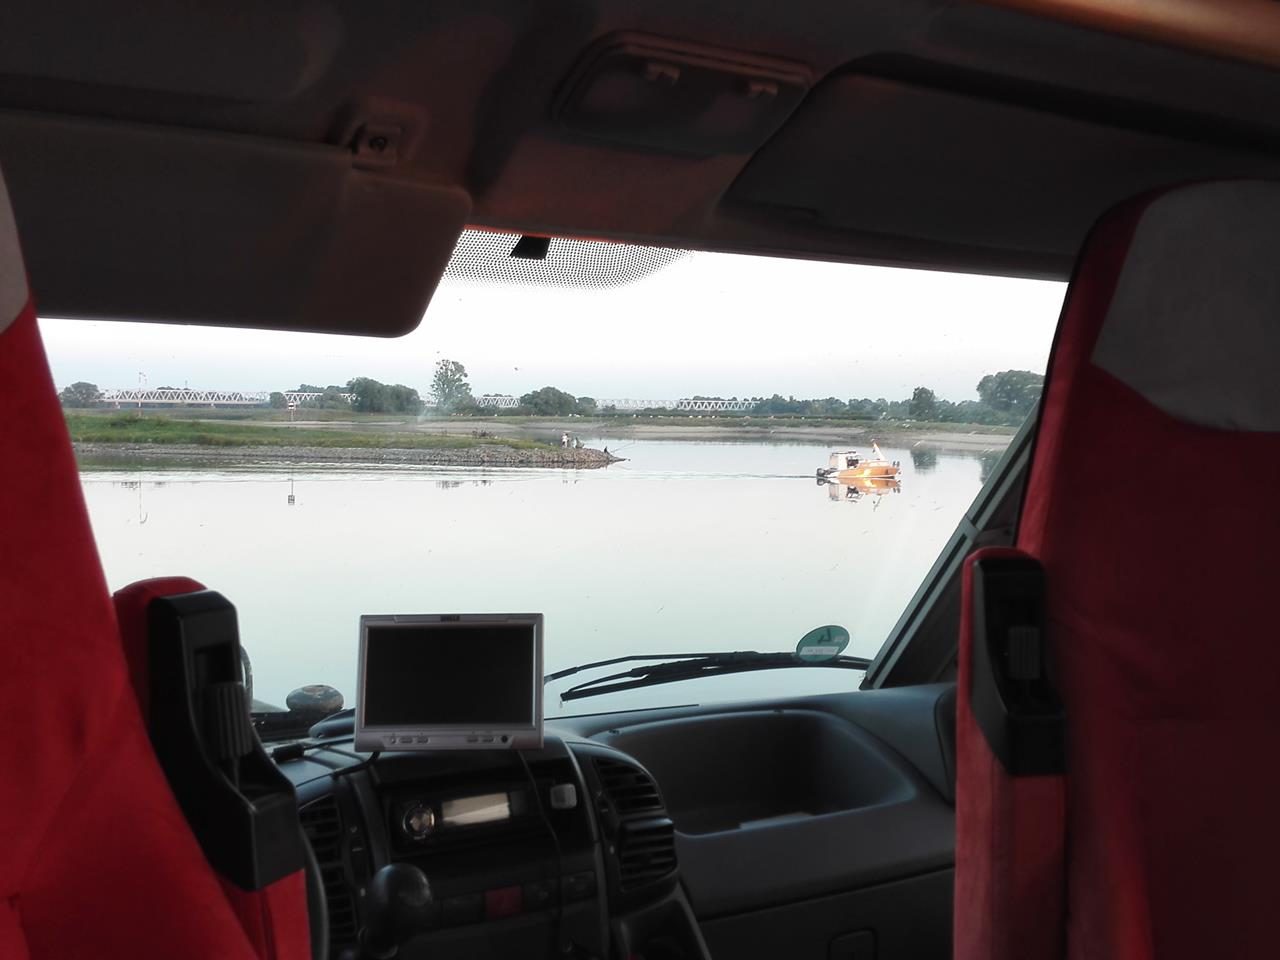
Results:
564 439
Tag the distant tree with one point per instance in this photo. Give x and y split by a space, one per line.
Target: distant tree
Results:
866 408
586 406
549 402
449 386
895 409
278 400
373 396
367 395
80 394
778 405
975 411
924 404
402 399
1011 391
828 407
331 398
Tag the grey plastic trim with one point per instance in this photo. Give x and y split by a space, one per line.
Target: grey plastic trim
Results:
907 919
902 826
921 648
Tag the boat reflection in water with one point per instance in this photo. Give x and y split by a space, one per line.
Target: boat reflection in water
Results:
858 487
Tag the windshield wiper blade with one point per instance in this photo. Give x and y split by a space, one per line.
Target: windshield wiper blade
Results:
688 666
632 658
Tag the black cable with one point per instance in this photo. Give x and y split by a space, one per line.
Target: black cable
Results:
560 948
299 748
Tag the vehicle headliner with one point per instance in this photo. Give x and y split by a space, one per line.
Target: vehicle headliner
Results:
209 163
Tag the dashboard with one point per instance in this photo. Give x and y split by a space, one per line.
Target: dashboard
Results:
818 827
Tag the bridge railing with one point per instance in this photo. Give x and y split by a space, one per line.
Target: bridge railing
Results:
184 395
171 396
741 406
293 397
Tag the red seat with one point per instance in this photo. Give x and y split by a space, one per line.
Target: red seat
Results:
1151 505
97 860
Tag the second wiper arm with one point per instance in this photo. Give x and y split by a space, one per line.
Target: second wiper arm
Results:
691 666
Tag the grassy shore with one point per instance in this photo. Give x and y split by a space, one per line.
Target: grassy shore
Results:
131 428
455 439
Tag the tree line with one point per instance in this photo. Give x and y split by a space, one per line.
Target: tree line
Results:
1003 398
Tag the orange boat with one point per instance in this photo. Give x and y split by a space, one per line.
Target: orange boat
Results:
848 467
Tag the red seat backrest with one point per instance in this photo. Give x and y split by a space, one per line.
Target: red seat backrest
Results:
97 859
1151 504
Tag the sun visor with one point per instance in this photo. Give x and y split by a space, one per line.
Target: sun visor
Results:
127 222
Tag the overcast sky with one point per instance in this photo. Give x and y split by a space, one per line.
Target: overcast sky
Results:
708 324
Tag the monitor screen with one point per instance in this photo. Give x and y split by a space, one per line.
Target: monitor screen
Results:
430 682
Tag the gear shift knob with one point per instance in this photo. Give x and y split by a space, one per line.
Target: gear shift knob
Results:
397 905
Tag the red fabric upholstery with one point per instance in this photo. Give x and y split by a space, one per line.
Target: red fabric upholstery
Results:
1009 851
1157 537
97 859
274 919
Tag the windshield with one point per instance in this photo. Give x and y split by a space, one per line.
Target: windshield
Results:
714 453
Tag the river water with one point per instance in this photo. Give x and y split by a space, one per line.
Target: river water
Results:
686 545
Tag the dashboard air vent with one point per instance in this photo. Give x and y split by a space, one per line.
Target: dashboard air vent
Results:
646 851
629 789
322 823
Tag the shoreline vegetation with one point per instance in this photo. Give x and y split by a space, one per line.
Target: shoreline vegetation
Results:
190 436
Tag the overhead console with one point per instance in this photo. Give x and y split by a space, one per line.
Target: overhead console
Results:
681 98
